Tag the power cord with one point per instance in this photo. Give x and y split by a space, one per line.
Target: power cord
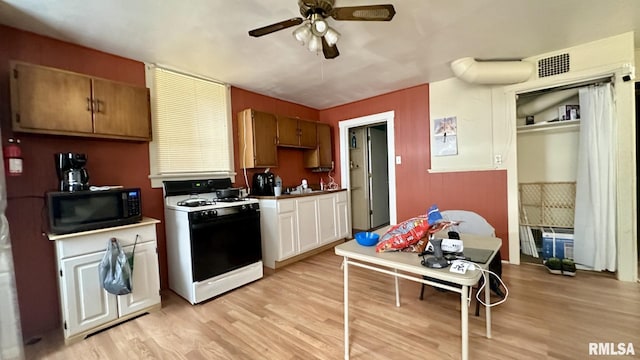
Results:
474 266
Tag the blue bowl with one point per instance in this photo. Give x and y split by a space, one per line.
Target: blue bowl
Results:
367 238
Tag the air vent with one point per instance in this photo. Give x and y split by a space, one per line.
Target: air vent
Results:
553 65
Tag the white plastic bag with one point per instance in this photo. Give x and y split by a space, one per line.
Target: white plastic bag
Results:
115 270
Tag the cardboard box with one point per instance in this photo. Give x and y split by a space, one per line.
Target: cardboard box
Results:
557 242
569 112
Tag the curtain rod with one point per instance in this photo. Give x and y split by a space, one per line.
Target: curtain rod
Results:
599 81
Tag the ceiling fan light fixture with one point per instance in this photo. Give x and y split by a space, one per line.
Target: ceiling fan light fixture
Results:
315 44
303 33
331 36
319 25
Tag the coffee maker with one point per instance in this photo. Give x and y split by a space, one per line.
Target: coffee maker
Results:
72 175
263 183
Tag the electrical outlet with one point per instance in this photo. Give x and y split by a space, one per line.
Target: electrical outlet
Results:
498 159
398 160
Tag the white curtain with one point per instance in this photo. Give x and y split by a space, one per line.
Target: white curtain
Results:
594 225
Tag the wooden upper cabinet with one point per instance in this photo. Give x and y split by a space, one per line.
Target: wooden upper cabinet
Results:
320 157
121 109
257 139
51 101
288 131
296 132
38 103
308 134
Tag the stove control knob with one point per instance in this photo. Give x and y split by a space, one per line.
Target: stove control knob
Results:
213 213
245 207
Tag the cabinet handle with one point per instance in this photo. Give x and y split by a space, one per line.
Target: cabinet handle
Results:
98 105
88 104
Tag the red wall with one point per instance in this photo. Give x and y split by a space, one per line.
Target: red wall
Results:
110 162
290 161
484 192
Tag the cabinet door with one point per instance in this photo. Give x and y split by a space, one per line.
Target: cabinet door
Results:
288 132
327 223
308 134
344 217
145 281
49 101
85 304
121 110
257 139
321 155
288 235
265 129
307 209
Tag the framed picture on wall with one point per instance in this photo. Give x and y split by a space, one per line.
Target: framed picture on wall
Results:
444 138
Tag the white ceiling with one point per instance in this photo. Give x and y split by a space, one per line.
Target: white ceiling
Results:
209 38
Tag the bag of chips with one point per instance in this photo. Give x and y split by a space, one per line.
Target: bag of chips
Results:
404 234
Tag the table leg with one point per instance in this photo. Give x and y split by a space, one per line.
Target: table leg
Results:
464 310
346 308
397 290
487 301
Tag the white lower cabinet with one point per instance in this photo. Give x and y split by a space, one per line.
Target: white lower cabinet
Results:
86 306
307 216
291 226
343 215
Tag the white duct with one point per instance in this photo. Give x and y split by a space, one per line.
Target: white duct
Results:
491 72
543 102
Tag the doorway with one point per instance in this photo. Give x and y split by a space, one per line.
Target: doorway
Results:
377 122
369 177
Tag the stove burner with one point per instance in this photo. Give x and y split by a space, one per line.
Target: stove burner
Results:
195 202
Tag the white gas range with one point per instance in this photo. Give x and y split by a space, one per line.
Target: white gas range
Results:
213 243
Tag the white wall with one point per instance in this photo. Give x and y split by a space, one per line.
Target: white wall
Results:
611 56
472 107
548 156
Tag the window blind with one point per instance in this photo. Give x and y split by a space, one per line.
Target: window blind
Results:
192 125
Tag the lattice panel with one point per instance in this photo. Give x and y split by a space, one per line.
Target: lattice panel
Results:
547 204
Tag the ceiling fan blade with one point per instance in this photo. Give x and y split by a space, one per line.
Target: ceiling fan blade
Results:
329 51
364 13
275 27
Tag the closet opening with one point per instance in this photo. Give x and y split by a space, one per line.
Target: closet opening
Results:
551 170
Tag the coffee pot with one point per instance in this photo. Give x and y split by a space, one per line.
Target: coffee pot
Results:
72 176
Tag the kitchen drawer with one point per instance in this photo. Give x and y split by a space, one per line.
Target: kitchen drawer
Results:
286 206
220 284
91 241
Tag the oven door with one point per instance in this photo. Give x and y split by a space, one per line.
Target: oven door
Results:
225 243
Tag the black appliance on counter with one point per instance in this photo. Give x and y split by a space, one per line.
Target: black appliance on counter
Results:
72 175
76 211
263 184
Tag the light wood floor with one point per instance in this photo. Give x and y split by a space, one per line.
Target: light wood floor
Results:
297 313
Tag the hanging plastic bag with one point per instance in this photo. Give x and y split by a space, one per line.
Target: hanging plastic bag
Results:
115 269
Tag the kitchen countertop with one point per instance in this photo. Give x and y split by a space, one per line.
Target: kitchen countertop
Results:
291 196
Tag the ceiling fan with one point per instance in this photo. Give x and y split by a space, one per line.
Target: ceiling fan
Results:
315 32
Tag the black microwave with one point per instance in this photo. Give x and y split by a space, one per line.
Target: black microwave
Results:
76 211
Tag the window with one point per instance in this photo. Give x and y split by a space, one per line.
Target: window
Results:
192 135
